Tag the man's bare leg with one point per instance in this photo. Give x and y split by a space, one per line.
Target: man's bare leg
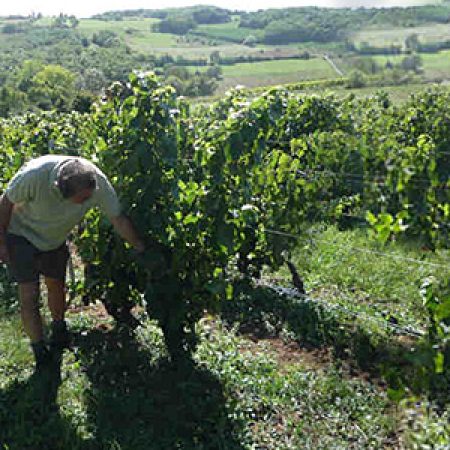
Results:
32 322
29 311
60 337
56 298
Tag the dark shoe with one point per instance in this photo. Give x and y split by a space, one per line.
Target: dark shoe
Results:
60 337
46 378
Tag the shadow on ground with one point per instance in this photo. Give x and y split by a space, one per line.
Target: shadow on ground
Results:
136 404
29 416
405 365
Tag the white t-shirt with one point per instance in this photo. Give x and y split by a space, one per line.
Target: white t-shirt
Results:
40 212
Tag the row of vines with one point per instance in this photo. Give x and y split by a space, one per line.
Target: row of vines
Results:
204 186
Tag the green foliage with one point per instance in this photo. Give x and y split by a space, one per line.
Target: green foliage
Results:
31 135
305 30
210 14
412 62
436 300
209 191
53 87
200 14
8 293
360 274
384 226
142 147
93 66
356 79
350 333
65 21
11 28
106 38
12 101
367 49
412 42
176 24
190 84
111 49
342 20
250 40
427 428
204 188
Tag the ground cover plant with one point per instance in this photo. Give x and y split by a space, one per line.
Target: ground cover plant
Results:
119 391
343 267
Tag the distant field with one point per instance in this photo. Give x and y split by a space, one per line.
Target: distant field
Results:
274 72
426 33
139 36
435 65
154 43
160 43
136 33
273 68
119 26
398 94
227 31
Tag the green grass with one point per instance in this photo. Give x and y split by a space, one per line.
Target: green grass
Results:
227 31
120 26
274 72
119 392
153 43
137 33
437 65
139 36
338 266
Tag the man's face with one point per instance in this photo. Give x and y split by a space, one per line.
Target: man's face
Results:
81 196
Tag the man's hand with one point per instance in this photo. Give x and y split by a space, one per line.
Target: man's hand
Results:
155 260
4 255
123 225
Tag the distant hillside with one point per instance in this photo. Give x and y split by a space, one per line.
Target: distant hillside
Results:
288 25
200 14
63 62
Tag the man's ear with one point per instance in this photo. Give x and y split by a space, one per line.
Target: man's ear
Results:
62 189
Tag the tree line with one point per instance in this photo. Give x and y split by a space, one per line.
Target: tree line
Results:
288 25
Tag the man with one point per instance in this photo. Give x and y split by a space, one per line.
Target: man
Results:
41 205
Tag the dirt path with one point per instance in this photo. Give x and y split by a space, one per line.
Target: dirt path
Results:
333 65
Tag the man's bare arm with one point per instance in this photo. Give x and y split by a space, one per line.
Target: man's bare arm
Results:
6 208
125 228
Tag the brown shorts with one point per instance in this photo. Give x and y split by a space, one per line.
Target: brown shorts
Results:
27 262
